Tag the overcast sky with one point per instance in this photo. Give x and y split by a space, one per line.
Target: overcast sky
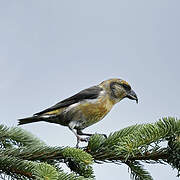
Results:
50 50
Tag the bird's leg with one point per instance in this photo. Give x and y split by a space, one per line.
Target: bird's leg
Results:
105 136
79 132
78 137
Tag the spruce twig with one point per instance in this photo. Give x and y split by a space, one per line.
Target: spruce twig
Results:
24 156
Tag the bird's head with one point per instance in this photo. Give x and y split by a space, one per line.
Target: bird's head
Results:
119 89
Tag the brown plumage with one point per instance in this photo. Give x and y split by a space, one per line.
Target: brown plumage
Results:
86 107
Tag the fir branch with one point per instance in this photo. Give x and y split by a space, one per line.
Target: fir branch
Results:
137 171
16 167
45 153
173 157
71 176
128 146
23 169
45 171
23 155
18 136
76 159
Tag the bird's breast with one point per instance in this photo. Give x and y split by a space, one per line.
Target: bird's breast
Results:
95 111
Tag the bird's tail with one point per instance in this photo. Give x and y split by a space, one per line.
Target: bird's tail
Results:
29 120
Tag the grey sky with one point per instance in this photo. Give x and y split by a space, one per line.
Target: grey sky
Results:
50 50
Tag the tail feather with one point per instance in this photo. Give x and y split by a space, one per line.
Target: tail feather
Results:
29 120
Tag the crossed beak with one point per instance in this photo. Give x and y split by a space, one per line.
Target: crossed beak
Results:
132 95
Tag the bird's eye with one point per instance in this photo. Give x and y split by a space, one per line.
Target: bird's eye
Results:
126 87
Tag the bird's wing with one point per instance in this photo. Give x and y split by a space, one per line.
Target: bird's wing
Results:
90 93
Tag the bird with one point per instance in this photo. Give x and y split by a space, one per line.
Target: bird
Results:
86 107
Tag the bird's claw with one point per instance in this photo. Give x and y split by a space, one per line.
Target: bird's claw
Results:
82 140
105 136
85 139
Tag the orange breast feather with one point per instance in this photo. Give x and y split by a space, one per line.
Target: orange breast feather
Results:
94 112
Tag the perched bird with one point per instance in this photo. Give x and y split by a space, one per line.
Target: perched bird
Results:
86 107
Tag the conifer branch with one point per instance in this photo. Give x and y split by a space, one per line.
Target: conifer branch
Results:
23 155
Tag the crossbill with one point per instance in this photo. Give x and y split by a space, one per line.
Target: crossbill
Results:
86 107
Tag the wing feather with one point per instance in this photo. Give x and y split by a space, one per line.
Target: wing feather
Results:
90 93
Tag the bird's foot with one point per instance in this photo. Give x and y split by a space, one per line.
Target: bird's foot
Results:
104 135
83 139
80 139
